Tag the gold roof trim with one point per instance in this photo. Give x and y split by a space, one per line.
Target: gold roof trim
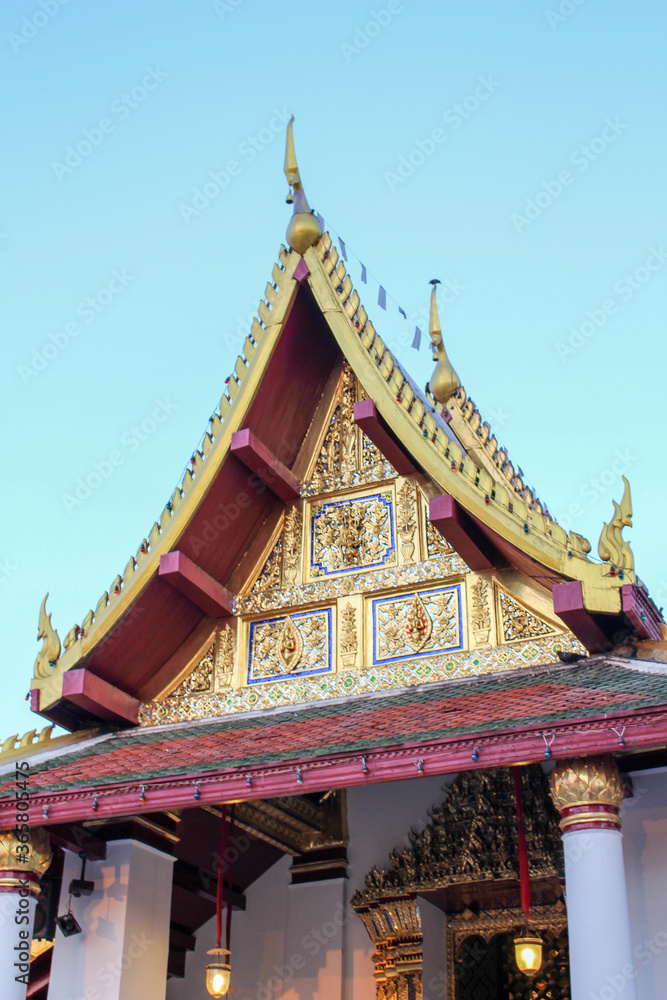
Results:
32 742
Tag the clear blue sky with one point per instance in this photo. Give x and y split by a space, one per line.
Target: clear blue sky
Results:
540 197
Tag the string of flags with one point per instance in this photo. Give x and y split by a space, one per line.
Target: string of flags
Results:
382 292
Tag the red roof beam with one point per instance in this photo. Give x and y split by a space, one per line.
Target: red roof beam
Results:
641 612
569 606
98 698
372 424
196 584
459 529
267 467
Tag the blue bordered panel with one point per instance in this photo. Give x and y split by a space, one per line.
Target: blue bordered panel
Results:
393 638
265 662
354 534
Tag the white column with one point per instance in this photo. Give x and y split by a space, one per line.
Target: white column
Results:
588 792
313 962
24 857
601 960
123 949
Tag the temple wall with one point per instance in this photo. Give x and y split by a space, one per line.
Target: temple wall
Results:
645 854
304 942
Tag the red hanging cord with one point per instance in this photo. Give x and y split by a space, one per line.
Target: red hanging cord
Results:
524 874
221 875
230 883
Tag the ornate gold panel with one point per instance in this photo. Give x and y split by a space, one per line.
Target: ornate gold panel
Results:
357 532
211 670
290 646
420 623
516 622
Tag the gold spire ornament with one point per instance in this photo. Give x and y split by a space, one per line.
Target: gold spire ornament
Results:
304 230
612 547
444 381
50 651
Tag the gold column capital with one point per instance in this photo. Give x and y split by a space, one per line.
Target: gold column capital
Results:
23 857
588 792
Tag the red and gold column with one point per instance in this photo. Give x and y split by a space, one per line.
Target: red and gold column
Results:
588 793
22 864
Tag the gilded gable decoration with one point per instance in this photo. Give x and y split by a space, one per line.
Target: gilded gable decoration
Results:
347 457
211 670
517 622
435 543
291 546
480 614
270 576
421 623
352 533
290 646
348 635
406 520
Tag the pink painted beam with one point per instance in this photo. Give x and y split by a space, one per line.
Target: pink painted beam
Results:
641 612
459 529
569 606
371 423
259 459
196 584
98 698
644 729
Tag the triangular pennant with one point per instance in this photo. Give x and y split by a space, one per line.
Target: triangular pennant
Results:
364 277
402 312
343 249
417 339
382 298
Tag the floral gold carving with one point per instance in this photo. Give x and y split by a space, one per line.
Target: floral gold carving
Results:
50 652
419 626
15 858
290 645
349 642
225 656
291 545
406 520
270 574
435 543
518 622
349 534
480 616
427 621
347 457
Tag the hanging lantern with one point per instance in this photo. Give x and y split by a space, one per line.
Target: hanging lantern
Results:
528 953
218 973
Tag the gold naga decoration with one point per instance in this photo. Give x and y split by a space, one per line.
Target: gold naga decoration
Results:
304 230
444 381
612 547
50 651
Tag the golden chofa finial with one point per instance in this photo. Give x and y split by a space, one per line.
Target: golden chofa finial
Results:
612 547
444 381
304 230
50 651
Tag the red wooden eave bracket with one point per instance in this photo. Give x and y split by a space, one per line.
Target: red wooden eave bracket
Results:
641 612
372 424
196 584
459 529
98 698
569 606
267 467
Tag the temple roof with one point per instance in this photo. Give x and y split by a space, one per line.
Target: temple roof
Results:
312 316
592 705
